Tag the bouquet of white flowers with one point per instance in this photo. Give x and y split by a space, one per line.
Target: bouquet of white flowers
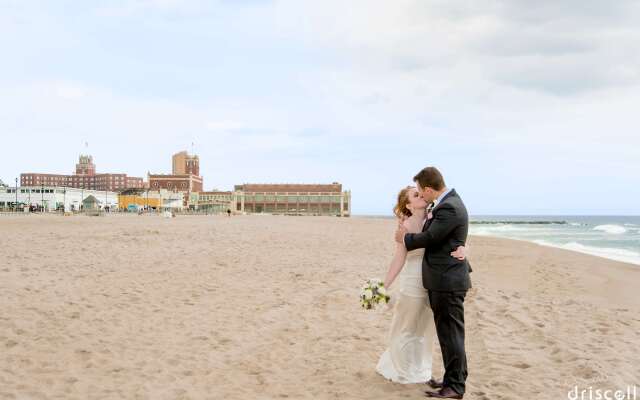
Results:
373 293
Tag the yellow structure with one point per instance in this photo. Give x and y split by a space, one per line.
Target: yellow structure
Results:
151 199
126 201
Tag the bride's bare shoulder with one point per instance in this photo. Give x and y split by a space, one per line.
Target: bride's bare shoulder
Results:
412 225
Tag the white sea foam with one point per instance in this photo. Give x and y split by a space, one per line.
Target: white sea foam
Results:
619 240
623 255
514 231
503 228
632 227
496 230
612 229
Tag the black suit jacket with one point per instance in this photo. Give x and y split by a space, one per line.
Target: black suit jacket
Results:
441 235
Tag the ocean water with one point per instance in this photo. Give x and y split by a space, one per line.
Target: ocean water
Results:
615 237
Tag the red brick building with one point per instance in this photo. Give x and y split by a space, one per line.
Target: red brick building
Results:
85 166
184 177
176 183
85 178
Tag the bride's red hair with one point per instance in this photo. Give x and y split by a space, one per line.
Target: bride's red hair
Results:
401 210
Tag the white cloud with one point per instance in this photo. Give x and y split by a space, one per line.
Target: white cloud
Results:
225 126
69 91
364 92
543 47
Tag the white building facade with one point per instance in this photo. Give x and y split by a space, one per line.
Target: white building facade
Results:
52 198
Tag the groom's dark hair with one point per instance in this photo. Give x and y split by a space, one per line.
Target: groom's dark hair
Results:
430 177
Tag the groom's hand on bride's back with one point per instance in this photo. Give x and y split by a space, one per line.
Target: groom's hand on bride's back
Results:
460 253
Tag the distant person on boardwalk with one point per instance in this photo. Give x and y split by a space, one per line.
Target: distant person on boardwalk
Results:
228 212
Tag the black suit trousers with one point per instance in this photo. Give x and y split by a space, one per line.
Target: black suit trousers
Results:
448 312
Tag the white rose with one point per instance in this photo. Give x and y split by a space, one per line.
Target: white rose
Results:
368 294
382 290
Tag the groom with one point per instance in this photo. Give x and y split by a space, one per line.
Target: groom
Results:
445 278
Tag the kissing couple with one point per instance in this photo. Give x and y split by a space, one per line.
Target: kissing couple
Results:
432 272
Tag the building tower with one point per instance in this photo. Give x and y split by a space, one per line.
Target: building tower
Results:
85 166
185 164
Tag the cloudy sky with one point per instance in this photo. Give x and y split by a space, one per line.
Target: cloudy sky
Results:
527 107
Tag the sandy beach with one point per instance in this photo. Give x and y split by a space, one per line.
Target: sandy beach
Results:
266 307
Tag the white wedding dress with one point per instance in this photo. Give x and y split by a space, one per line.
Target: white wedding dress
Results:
413 330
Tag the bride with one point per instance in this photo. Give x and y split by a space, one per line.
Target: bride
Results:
413 330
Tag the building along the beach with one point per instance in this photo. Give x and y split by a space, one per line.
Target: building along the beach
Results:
175 183
50 198
215 201
294 199
85 177
184 177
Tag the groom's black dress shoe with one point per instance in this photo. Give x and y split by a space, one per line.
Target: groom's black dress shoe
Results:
434 383
444 393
